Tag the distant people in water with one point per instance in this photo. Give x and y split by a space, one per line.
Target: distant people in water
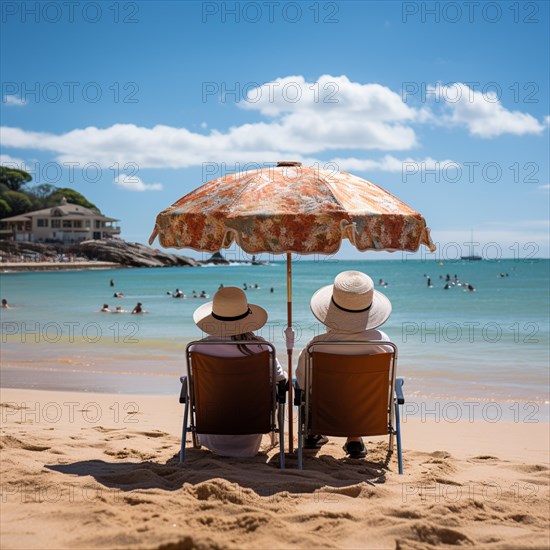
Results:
120 310
383 283
256 286
429 282
118 295
446 287
272 290
5 304
447 277
178 294
203 294
221 286
112 282
502 275
470 288
245 286
138 309
105 309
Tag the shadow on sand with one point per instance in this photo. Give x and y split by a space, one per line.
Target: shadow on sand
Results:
261 473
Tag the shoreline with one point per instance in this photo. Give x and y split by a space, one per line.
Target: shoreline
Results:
23 267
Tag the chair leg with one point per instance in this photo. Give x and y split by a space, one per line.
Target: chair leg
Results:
184 432
398 436
300 437
281 420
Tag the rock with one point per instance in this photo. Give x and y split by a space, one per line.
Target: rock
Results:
217 259
131 254
115 250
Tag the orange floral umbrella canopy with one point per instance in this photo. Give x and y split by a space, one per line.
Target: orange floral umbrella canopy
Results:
290 208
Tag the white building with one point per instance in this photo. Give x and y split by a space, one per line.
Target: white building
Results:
67 223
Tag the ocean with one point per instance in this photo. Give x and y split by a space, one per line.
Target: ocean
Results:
491 344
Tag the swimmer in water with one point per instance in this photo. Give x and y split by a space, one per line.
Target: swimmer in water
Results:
138 309
118 295
105 309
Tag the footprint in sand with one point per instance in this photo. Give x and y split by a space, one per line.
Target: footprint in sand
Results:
129 453
485 457
436 535
155 433
104 430
10 442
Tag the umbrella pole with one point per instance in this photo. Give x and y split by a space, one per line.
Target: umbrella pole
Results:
289 351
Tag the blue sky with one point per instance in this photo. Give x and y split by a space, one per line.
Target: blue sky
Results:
445 104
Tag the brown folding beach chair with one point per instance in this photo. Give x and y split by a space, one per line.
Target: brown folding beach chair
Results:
232 395
350 394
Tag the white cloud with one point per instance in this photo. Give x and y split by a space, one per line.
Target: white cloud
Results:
133 183
333 114
170 147
389 163
13 101
292 94
13 162
482 113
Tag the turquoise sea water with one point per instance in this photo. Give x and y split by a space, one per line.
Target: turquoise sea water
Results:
488 344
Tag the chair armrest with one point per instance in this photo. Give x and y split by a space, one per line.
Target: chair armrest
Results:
297 392
282 389
399 391
183 392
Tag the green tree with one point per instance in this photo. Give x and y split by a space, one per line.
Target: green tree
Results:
18 202
5 209
42 191
14 178
72 196
39 195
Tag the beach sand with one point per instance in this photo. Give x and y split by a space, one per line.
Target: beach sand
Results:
83 470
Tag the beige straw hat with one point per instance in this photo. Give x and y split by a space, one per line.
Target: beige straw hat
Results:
229 314
351 304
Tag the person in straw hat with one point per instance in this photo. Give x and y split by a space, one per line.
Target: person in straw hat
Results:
350 309
230 317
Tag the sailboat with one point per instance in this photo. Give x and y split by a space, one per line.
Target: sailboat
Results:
471 257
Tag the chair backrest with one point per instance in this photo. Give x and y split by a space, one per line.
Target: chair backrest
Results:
350 393
232 395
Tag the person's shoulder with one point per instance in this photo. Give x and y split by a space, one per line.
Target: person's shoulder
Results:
325 336
377 334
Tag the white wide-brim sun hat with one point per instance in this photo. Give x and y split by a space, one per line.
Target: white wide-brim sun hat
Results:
351 304
229 314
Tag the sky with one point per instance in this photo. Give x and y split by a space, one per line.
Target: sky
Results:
135 104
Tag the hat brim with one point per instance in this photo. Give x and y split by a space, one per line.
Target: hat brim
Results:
255 320
332 316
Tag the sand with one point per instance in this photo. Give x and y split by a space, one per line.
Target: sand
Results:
8 267
83 470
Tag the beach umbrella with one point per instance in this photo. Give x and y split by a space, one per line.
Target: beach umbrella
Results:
290 208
